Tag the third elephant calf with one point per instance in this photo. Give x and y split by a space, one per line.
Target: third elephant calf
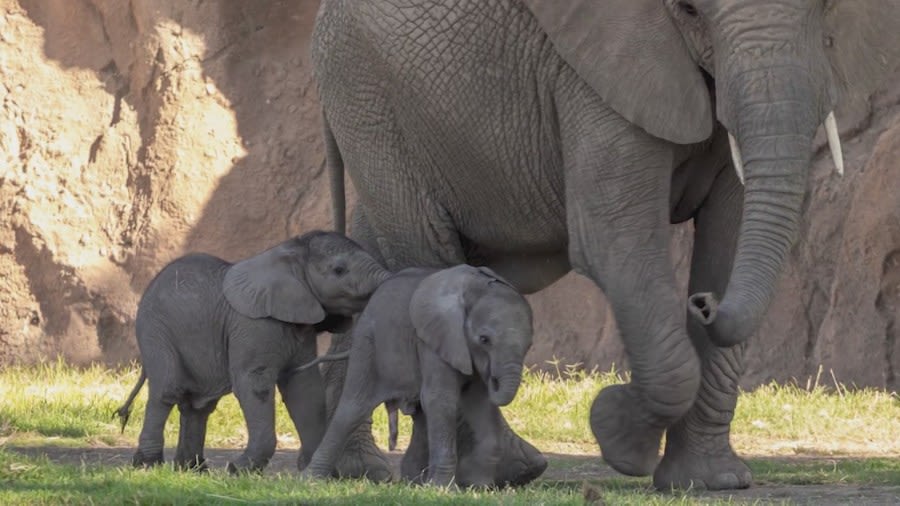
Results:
440 344
206 327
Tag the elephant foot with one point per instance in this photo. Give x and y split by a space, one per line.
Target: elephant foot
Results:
628 440
303 460
705 463
196 463
476 470
245 464
520 462
309 475
363 459
145 459
413 468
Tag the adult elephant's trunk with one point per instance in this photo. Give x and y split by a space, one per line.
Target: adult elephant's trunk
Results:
503 385
773 112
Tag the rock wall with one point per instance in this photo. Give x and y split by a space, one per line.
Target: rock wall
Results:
134 131
131 132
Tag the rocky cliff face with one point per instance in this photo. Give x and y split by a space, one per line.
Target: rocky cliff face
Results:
131 132
134 131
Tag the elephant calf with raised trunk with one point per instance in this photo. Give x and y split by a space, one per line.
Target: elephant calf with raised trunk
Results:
206 327
441 344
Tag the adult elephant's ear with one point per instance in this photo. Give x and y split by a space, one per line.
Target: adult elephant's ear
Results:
272 284
633 56
862 40
438 313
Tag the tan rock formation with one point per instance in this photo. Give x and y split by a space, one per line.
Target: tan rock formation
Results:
134 131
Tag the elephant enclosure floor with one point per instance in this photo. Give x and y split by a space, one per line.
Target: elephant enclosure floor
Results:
563 468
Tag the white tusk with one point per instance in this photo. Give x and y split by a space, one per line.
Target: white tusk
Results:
834 142
736 157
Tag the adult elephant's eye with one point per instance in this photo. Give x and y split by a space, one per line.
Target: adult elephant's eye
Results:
339 270
688 8
485 340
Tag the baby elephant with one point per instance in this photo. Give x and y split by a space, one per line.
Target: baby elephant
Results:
206 327
439 344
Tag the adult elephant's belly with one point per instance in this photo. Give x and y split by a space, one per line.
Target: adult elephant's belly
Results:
503 187
520 234
519 227
528 272
505 193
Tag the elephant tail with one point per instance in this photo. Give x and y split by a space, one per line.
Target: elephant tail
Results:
324 358
335 166
125 410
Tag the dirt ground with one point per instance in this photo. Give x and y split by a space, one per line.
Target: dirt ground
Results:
563 467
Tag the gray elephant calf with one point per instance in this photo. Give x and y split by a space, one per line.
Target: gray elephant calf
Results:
206 327
440 344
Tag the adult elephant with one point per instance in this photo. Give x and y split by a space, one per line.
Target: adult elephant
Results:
540 136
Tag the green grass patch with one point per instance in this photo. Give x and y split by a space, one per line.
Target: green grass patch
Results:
872 471
25 480
54 404
817 419
75 405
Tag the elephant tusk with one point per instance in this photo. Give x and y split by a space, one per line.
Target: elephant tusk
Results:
834 142
736 157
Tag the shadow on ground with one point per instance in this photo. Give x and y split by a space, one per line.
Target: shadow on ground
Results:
565 470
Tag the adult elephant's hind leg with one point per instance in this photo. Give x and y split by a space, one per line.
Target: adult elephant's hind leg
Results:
518 461
361 457
698 452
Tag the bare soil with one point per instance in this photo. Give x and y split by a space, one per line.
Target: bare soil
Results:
583 470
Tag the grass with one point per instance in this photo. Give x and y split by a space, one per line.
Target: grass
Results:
815 420
868 471
39 481
25 480
59 405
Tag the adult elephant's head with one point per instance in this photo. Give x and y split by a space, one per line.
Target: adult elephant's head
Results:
779 68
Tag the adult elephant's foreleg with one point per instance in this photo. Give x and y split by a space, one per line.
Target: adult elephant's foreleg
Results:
698 451
628 420
617 196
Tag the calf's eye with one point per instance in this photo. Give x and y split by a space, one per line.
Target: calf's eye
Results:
688 8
